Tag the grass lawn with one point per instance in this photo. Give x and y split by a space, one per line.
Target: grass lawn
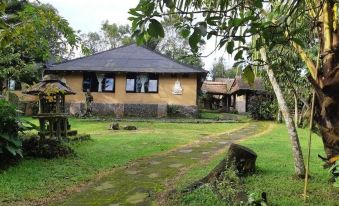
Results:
33 179
217 115
274 175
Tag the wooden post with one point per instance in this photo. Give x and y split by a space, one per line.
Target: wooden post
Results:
51 127
57 104
40 104
65 126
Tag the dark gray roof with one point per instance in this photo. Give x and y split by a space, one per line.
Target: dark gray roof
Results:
130 58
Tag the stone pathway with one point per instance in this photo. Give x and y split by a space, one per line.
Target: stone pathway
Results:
138 183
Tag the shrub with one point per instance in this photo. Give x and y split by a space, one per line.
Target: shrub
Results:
262 107
46 148
10 143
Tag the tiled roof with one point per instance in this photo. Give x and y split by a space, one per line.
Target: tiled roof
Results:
130 58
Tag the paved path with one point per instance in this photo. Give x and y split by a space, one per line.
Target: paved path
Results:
138 183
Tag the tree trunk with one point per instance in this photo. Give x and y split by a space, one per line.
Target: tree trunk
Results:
326 83
296 110
279 118
297 153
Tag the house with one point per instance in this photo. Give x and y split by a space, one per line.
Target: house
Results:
130 81
234 94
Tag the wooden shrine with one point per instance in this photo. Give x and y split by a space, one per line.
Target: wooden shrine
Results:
52 114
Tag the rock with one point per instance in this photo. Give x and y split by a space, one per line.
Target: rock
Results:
128 127
114 126
244 158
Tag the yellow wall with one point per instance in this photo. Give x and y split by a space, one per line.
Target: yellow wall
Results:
164 95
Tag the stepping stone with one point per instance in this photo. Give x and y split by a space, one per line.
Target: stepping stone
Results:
153 175
173 156
154 162
194 158
104 186
175 165
205 153
223 142
185 150
132 172
137 198
114 204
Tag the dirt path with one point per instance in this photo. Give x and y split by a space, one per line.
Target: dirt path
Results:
138 183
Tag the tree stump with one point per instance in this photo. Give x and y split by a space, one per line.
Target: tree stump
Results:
115 126
243 158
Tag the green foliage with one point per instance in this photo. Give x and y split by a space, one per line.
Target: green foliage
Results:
10 143
262 107
174 45
34 34
109 37
248 74
334 170
229 186
219 70
46 148
232 24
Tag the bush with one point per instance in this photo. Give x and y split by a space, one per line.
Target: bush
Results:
10 143
262 107
46 148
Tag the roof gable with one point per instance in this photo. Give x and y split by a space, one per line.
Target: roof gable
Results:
130 58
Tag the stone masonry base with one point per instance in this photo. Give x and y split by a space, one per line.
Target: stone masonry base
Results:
133 110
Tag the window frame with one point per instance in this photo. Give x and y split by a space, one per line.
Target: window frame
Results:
151 76
108 76
91 76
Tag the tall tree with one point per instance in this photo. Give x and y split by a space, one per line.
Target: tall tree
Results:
116 35
219 70
110 36
31 33
174 45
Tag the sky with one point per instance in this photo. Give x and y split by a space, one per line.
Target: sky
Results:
87 16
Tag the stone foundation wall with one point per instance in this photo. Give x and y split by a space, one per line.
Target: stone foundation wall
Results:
133 110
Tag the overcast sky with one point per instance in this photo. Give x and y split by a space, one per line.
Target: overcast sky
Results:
87 15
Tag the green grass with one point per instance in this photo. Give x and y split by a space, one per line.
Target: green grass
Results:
33 179
214 114
275 173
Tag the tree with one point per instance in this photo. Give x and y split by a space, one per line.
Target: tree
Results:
31 34
175 46
116 35
93 42
228 21
110 36
219 70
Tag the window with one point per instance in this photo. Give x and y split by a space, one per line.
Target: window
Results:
142 83
108 84
91 82
14 85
